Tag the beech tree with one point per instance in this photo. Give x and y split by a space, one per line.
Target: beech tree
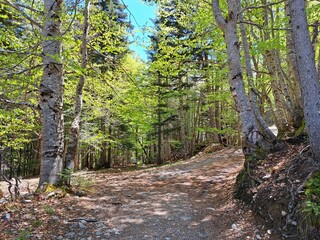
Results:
186 103
51 96
255 142
72 149
307 72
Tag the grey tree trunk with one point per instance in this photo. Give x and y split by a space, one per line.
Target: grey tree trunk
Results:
319 64
159 128
252 91
51 93
307 72
254 143
182 131
103 150
72 150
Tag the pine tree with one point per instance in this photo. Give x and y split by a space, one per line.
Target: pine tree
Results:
174 55
108 50
112 27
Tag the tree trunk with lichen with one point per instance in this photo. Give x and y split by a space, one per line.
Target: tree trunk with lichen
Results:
255 144
72 150
256 140
51 93
252 91
307 72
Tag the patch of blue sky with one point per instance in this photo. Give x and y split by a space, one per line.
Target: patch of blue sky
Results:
140 15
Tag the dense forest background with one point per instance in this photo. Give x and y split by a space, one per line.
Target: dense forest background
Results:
73 96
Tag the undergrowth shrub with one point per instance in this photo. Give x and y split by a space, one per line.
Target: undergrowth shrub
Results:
310 211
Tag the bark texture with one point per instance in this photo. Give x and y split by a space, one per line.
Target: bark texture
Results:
51 92
307 72
72 150
252 91
254 143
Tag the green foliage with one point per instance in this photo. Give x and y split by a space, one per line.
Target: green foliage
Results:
309 211
36 223
184 81
49 209
82 183
17 127
24 235
312 192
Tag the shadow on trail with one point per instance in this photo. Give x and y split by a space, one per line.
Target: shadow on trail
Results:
189 200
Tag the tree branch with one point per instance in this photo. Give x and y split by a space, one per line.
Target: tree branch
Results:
73 18
262 27
261 6
21 71
218 15
28 7
19 52
16 7
19 103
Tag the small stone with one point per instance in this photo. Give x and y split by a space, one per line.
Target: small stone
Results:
26 201
74 225
70 234
81 193
210 208
81 225
269 232
51 194
6 216
167 238
234 226
283 213
27 216
266 177
203 235
70 208
59 238
115 231
294 223
55 218
100 225
185 218
258 237
98 233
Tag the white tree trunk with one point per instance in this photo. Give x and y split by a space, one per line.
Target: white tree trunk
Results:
72 150
51 93
307 72
252 91
252 138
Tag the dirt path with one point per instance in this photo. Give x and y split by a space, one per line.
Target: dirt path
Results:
190 200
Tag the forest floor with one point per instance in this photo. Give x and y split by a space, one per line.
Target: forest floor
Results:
186 200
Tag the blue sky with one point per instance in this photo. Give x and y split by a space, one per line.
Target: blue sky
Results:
140 15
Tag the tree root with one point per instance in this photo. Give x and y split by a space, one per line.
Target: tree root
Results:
292 205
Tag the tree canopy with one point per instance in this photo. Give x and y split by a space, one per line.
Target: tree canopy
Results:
217 73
